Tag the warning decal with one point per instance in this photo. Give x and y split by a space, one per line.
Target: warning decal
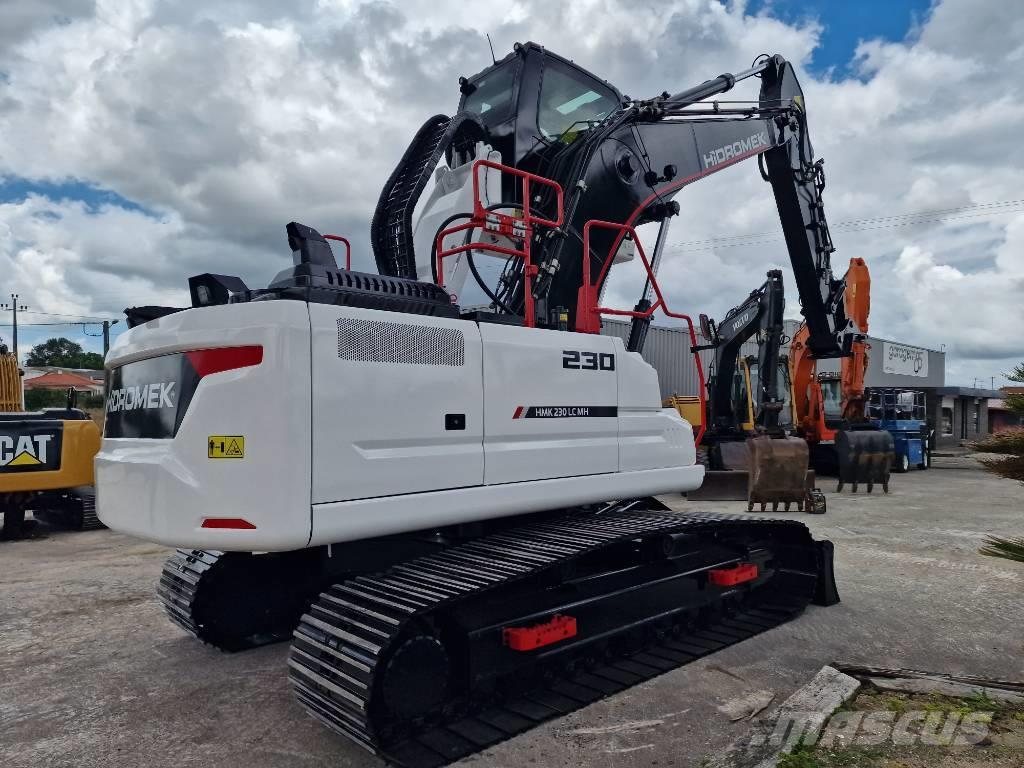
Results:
225 447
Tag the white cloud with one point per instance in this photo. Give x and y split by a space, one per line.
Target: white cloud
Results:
228 120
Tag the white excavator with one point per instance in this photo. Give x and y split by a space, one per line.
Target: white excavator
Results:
438 480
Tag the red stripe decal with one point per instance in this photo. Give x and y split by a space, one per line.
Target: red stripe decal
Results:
518 413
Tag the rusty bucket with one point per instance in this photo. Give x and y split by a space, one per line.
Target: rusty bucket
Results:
778 472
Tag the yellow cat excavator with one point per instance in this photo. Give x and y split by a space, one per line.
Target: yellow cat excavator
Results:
45 459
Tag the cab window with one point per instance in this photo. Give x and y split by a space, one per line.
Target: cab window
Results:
569 98
494 94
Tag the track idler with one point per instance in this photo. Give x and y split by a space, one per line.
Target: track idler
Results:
778 475
864 456
236 600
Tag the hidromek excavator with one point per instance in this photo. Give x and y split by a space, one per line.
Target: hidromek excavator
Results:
458 474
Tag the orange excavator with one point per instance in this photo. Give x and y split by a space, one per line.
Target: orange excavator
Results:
840 438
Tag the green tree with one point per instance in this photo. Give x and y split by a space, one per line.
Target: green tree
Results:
63 353
1009 445
1016 402
91 360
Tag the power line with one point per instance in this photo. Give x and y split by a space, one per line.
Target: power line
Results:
85 318
859 225
23 325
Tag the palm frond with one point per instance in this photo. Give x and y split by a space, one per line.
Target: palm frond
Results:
1007 548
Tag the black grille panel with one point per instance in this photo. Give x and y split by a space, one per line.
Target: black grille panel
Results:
375 341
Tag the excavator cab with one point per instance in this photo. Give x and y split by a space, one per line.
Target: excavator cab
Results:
743 384
533 102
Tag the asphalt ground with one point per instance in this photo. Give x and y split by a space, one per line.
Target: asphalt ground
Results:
93 674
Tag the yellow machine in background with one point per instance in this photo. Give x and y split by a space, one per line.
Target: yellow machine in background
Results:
46 459
690 408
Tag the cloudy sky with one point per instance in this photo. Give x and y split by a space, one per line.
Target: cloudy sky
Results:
142 141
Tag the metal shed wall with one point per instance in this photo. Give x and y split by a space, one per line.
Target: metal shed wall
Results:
668 350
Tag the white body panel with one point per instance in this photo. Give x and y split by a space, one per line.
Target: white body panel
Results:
346 434
523 368
395 514
162 490
379 425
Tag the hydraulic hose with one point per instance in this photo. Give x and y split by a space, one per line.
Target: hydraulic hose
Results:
469 255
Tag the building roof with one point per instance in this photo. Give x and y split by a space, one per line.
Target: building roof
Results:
968 392
33 371
60 381
1012 390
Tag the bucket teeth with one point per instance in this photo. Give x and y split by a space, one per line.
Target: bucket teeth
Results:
864 456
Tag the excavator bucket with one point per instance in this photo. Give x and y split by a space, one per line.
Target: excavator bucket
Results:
721 485
778 472
757 471
729 483
864 456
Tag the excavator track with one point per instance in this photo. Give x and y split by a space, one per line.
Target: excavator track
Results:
409 663
88 519
235 600
391 231
73 511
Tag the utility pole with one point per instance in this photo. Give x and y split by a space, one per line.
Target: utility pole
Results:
106 335
14 306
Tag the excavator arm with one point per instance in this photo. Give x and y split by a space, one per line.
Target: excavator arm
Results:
761 314
627 169
849 446
622 161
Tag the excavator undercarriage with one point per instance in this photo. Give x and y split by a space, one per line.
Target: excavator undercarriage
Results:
441 655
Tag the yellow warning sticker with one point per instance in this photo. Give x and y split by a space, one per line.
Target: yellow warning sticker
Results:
225 447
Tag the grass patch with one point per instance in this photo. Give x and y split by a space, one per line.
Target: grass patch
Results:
996 741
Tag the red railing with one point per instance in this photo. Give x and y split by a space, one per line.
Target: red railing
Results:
513 227
348 249
588 318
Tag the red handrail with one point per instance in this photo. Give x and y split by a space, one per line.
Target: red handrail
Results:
512 226
589 319
348 249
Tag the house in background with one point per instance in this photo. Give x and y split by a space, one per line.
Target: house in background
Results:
1001 417
62 379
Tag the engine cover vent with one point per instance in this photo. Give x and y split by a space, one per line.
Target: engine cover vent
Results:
375 341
